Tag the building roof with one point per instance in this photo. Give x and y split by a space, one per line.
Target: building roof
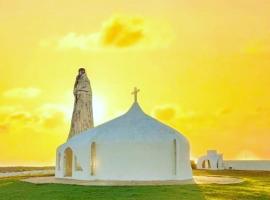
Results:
134 125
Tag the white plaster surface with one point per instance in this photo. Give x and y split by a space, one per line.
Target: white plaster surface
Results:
217 163
262 165
213 158
133 146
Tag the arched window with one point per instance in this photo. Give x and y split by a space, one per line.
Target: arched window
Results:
206 164
59 161
68 161
93 159
174 157
77 164
209 165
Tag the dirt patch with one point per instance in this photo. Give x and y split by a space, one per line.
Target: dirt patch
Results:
196 180
216 180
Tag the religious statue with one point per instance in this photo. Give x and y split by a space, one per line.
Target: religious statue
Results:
82 117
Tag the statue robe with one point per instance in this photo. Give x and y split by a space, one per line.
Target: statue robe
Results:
82 117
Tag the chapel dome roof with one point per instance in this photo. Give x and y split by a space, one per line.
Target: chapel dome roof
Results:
134 125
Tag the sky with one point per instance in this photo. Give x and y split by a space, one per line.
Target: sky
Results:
202 67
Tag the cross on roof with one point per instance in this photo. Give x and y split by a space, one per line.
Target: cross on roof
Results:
135 92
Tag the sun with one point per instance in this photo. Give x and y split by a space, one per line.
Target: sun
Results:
99 109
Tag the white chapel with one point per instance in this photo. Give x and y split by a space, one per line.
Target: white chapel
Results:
131 147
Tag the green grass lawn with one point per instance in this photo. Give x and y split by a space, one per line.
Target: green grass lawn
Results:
256 186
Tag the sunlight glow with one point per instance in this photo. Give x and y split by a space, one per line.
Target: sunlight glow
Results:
99 109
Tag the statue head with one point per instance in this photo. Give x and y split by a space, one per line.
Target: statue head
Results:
81 71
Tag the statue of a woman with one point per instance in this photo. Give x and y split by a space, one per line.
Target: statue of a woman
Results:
82 117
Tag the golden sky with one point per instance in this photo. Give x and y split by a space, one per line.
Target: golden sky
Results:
202 66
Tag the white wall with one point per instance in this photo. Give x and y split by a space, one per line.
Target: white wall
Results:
120 161
263 165
145 160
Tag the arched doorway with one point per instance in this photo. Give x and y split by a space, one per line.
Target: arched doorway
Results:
206 164
68 161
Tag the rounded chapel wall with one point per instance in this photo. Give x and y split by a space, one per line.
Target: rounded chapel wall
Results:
142 160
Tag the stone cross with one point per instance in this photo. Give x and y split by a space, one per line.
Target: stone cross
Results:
135 92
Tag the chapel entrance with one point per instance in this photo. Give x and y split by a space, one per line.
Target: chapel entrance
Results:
68 162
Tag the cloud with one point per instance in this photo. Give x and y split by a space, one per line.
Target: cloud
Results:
223 111
47 109
24 93
45 116
123 32
22 117
4 128
76 41
56 119
118 32
165 113
7 109
173 113
41 128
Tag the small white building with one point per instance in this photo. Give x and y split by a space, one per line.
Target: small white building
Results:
133 146
257 165
212 161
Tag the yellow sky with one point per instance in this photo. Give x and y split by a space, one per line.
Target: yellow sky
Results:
202 66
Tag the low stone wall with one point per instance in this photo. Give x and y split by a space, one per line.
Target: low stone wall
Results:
27 173
263 165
